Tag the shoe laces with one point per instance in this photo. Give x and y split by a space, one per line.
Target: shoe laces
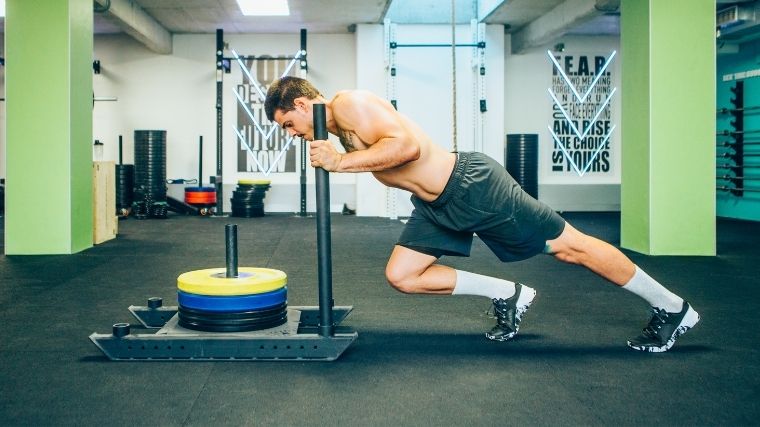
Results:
659 318
501 312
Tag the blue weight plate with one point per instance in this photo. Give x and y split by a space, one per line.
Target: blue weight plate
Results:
233 303
200 189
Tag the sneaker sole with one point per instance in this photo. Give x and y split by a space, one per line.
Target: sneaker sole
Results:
527 295
689 320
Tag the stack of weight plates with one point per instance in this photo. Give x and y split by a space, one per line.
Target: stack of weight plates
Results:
522 160
248 198
209 301
144 206
140 210
150 163
125 176
158 210
200 196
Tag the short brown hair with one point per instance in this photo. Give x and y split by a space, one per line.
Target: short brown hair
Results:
284 91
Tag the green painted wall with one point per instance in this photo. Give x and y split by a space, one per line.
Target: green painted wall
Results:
48 84
668 180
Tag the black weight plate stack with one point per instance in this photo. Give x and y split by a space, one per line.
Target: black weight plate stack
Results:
125 176
248 199
240 321
150 166
522 160
158 210
139 209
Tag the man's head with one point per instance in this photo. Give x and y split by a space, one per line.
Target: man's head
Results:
289 103
283 92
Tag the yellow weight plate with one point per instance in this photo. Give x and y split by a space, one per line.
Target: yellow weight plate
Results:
254 181
250 281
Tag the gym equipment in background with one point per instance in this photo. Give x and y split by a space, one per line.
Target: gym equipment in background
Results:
200 197
248 198
150 174
738 154
521 158
478 63
223 66
125 181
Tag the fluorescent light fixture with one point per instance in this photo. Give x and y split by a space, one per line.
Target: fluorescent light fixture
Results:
264 7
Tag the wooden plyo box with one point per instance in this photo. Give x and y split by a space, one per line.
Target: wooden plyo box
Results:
105 223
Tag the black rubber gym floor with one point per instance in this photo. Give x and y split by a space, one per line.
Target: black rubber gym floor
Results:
419 360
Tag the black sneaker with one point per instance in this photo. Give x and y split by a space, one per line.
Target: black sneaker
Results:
664 328
509 312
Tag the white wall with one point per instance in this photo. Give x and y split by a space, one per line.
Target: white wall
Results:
177 93
423 89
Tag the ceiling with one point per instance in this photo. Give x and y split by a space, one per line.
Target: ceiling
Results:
320 16
534 21
531 22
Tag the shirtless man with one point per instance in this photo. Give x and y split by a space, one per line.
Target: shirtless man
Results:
456 195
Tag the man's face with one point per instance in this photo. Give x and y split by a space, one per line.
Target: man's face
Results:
297 122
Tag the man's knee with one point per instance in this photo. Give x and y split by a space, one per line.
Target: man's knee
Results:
400 280
570 246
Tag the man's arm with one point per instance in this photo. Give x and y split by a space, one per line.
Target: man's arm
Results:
378 125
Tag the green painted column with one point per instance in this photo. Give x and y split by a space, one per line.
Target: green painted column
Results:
668 126
48 88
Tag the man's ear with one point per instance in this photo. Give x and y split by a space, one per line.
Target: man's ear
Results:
301 103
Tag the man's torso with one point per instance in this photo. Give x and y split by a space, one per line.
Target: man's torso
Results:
426 176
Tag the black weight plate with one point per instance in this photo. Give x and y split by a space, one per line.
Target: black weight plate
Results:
234 314
258 200
257 327
248 193
231 322
248 208
247 200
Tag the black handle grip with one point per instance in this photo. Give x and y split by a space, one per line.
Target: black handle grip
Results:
320 122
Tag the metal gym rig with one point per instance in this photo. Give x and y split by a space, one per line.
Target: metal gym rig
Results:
309 333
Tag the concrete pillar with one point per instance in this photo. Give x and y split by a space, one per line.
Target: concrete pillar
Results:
668 126
48 85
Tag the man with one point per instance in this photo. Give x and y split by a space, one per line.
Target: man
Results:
456 195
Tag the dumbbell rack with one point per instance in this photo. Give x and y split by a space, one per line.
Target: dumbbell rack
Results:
310 333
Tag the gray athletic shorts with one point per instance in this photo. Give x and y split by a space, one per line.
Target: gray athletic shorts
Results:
481 198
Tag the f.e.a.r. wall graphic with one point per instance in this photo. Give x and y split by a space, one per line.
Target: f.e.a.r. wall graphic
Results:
581 123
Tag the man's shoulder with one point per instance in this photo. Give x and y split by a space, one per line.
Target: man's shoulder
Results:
349 95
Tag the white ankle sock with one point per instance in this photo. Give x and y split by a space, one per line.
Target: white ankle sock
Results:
476 284
653 292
